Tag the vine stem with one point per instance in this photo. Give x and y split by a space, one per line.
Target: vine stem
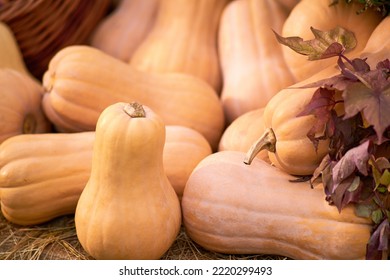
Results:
346 59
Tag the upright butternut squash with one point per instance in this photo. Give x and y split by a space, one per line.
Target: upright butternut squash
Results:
121 32
43 175
133 214
251 58
77 93
184 39
233 208
10 54
20 105
320 15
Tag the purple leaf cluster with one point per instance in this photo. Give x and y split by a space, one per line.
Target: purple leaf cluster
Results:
350 172
354 170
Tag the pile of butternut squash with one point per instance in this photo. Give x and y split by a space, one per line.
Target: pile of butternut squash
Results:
146 127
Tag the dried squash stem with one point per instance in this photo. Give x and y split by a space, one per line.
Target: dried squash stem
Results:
134 110
266 141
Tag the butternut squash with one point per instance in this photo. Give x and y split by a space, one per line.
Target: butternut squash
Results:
134 214
184 39
251 58
184 149
285 134
20 105
121 32
233 208
10 54
243 132
76 93
43 175
320 15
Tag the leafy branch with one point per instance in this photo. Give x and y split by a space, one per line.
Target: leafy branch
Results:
352 110
382 6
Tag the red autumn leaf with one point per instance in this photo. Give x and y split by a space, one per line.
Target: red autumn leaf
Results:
379 241
360 65
348 75
373 103
384 65
355 158
355 66
348 191
321 106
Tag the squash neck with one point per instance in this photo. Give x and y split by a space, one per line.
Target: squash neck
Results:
194 14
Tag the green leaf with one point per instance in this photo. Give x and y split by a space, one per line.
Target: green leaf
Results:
377 216
382 163
376 174
324 45
385 178
364 210
382 6
381 189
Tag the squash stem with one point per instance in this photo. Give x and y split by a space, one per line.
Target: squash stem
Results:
266 141
134 110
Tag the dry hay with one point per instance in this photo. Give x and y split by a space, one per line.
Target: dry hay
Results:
57 240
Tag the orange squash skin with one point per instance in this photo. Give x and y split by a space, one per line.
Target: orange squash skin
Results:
184 148
43 175
76 93
184 39
134 214
233 208
20 105
378 44
243 132
122 31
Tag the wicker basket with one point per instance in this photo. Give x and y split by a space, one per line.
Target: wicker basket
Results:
43 27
